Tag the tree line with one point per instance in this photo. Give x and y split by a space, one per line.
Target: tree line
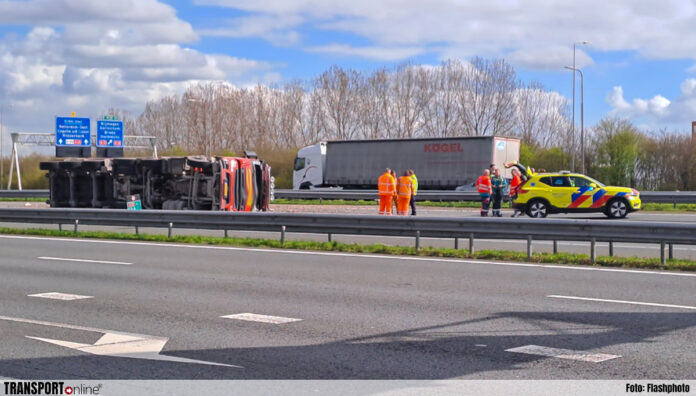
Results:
456 98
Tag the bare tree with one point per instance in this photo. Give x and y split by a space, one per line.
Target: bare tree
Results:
541 118
163 120
452 99
406 103
441 114
374 105
339 96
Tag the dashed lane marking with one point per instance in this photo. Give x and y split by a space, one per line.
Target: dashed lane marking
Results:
83 260
623 302
251 317
563 353
363 256
60 296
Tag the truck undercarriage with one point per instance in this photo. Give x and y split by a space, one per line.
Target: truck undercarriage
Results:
172 183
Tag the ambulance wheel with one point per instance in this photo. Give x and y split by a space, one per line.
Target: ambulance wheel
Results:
537 208
617 208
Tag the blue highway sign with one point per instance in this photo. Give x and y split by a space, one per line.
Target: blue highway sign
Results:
109 133
73 132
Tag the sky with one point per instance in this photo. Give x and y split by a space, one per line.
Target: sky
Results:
86 56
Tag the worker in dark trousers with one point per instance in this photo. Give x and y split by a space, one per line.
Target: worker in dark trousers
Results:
498 184
483 185
414 182
515 184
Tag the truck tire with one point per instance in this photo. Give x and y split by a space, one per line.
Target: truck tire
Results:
155 165
70 165
200 162
49 165
305 186
93 165
124 166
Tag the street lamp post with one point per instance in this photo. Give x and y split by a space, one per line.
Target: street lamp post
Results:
2 159
572 157
2 151
582 117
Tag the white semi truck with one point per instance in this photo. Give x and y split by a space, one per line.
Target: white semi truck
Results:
439 163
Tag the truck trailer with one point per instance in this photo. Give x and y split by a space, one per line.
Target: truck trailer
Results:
439 163
173 183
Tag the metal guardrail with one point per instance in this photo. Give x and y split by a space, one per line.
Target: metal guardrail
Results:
24 194
673 197
435 227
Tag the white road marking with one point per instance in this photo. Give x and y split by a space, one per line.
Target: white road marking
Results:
624 302
251 317
60 296
115 343
355 255
563 353
84 260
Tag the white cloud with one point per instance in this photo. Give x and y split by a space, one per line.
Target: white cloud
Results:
91 55
657 111
533 33
277 29
549 58
378 53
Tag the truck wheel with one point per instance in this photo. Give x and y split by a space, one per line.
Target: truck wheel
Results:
123 166
155 165
70 165
537 208
49 165
93 165
199 162
616 208
305 186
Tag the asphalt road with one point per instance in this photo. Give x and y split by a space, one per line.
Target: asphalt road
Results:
356 317
619 249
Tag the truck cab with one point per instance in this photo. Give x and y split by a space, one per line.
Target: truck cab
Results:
246 184
308 170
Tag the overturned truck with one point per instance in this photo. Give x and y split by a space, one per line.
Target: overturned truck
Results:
172 183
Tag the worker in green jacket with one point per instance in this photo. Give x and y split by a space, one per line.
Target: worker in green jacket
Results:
414 182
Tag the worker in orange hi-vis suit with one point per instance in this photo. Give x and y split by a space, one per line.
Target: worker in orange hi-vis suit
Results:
404 191
386 186
396 179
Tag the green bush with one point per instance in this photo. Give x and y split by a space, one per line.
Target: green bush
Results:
32 176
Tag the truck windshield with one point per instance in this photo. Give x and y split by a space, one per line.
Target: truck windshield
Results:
299 163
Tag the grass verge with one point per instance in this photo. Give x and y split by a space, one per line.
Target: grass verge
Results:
658 207
504 255
22 199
